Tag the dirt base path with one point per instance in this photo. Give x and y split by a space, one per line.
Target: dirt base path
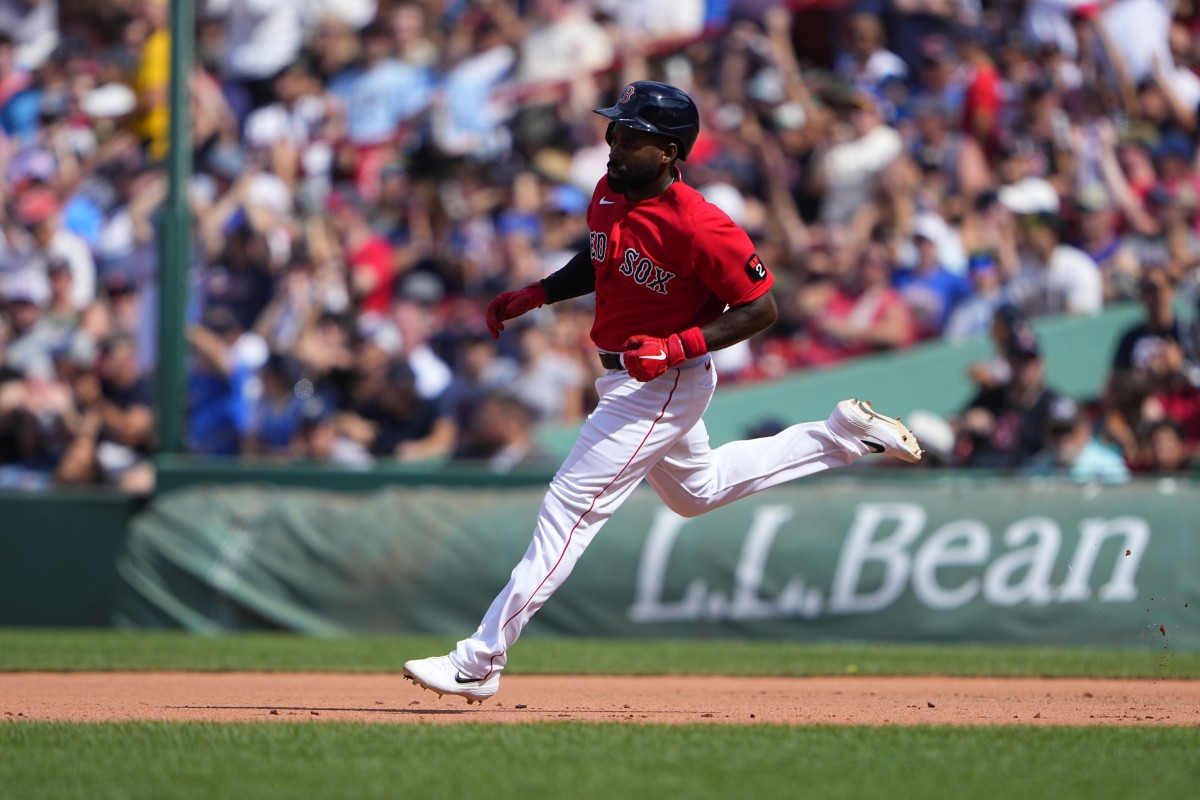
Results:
269 697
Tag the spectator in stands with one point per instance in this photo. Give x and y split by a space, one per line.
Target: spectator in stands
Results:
31 339
33 28
409 22
954 160
1003 427
393 415
562 43
225 359
974 315
370 264
550 383
126 404
1154 358
261 38
501 434
929 289
850 171
984 95
1054 277
35 235
854 313
285 135
275 410
867 64
414 312
1161 325
1100 238
152 79
1073 451
1165 450
384 93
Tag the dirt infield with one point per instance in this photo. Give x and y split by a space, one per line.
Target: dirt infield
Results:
268 697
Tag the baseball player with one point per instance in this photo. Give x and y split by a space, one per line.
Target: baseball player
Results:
674 279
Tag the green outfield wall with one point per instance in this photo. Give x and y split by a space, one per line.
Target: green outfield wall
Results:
58 557
867 557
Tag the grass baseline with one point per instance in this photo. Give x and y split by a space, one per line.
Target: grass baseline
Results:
23 650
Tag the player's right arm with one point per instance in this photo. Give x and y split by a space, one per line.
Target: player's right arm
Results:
575 279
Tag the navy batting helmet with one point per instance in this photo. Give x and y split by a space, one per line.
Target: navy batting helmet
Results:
657 108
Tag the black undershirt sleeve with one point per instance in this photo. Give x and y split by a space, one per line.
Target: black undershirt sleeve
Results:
575 279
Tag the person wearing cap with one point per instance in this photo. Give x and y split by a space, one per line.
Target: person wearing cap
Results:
1072 449
973 316
393 414
1003 427
932 291
938 78
276 411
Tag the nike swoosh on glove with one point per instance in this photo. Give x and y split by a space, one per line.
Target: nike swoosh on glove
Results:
510 305
647 357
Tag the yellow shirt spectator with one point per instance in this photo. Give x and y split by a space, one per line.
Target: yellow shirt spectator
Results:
151 83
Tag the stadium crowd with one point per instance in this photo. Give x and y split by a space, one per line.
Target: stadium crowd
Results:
367 174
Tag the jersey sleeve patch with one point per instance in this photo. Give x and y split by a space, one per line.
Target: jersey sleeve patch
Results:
756 270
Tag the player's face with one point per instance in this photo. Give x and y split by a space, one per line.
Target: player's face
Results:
636 159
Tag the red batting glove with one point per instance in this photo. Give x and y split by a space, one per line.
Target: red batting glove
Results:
510 305
647 357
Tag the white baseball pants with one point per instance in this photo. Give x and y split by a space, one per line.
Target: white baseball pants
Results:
650 431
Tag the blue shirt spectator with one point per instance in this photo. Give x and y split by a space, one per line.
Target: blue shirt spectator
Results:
930 289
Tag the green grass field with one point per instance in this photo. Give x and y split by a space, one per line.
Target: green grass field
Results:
571 760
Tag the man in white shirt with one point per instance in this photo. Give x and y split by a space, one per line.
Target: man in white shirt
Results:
849 171
262 37
1054 278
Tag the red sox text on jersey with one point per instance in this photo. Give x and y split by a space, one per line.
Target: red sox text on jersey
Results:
666 264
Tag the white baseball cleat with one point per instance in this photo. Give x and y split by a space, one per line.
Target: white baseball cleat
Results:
880 433
437 674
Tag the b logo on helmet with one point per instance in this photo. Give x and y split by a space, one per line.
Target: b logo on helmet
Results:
627 94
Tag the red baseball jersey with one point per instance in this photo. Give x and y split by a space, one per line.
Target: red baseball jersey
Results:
666 264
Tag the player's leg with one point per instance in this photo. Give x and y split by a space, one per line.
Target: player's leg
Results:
693 478
632 426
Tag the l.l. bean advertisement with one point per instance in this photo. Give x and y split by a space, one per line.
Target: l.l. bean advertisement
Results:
860 558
